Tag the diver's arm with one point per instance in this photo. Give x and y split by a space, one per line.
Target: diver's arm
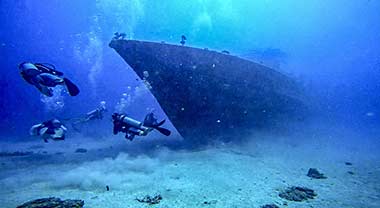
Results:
95 114
129 136
117 127
64 128
50 80
35 129
89 114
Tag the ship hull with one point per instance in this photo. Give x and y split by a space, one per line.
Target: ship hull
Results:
209 95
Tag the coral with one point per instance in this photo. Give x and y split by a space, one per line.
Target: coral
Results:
150 200
53 202
314 173
296 193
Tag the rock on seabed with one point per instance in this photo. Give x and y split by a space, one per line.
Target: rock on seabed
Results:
53 202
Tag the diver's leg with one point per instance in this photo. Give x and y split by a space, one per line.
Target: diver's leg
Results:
38 82
59 134
59 138
45 137
71 87
34 131
129 136
51 80
44 90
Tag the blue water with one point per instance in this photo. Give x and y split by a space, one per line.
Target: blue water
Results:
332 48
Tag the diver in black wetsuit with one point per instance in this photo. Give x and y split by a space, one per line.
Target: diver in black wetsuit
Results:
133 128
51 129
119 36
44 77
183 40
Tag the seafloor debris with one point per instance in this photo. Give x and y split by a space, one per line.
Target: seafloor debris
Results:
36 147
270 206
53 202
314 173
296 193
350 172
210 202
348 163
150 200
80 150
14 154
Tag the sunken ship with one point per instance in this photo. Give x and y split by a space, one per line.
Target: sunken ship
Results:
211 95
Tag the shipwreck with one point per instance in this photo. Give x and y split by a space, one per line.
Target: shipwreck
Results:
211 95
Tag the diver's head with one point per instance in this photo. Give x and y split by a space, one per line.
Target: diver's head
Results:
115 117
103 104
56 123
27 65
21 66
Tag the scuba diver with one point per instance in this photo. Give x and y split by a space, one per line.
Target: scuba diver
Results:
183 40
119 36
96 114
132 128
44 77
51 129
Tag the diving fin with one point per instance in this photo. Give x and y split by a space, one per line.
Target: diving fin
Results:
71 87
163 131
151 122
162 122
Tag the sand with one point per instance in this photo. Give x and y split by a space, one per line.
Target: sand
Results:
225 175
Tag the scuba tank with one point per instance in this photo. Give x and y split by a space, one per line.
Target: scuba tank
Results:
123 123
134 123
48 68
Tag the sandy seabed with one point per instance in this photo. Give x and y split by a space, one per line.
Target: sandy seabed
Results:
225 175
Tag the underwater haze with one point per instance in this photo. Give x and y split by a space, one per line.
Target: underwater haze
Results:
290 116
